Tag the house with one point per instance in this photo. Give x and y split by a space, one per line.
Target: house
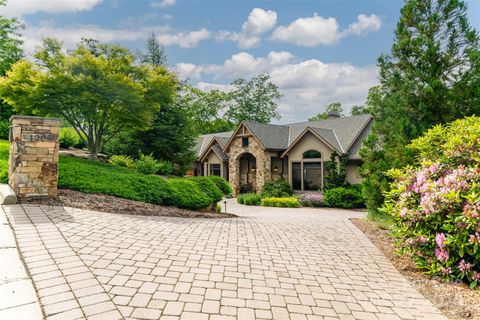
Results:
255 152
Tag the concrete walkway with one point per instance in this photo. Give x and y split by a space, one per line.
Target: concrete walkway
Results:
269 263
18 299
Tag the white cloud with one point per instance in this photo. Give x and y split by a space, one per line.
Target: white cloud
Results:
316 30
22 7
163 4
364 25
309 32
184 39
72 34
258 22
308 86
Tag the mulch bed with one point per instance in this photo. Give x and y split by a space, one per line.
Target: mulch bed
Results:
455 300
103 203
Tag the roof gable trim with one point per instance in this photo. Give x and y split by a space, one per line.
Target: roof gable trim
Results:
301 135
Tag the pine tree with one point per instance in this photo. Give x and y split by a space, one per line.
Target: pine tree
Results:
430 77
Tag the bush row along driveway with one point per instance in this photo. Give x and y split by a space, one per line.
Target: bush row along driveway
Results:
268 263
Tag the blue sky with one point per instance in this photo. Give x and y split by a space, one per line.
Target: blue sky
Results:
317 52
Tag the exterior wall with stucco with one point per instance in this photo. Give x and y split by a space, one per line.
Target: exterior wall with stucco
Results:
352 173
306 143
263 165
213 158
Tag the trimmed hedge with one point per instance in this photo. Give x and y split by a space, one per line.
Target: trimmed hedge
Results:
279 188
285 202
222 184
349 197
187 194
4 148
249 199
208 187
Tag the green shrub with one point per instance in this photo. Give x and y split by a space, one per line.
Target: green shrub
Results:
278 188
122 161
348 197
146 164
435 205
219 208
222 184
249 199
68 137
164 167
4 149
208 187
285 202
97 177
4 129
187 194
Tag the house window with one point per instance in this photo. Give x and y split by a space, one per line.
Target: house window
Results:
312 176
244 142
296 175
215 169
312 154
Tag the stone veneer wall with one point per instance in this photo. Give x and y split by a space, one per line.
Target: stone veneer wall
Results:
33 161
262 158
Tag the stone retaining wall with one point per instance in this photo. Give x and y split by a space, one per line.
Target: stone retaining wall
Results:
33 160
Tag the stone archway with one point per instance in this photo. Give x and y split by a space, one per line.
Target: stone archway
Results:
247 173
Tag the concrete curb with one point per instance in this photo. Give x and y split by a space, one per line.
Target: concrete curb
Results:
7 195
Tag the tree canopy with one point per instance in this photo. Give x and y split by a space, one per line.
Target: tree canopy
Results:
97 88
429 77
332 107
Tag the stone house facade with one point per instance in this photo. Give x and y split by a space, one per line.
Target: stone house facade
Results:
255 153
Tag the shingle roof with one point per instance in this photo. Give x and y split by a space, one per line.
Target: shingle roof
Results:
271 136
345 134
218 150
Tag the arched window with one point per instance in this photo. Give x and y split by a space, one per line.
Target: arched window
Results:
312 154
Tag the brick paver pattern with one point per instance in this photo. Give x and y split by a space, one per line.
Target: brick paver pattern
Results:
269 263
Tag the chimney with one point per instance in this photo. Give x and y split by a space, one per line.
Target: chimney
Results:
333 115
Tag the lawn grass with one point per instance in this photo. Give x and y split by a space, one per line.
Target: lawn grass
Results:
382 220
4 147
103 178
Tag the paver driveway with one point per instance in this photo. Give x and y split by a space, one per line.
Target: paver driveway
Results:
267 264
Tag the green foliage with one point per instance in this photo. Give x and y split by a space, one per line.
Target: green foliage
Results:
336 172
285 202
359 110
10 42
254 100
97 88
122 161
430 77
103 178
348 197
218 209
68 137
97 177
187 194
4 128
222 184
155 53
164 167
146 164
208 187
435 204
278 188
332 107
4 150
206 108
249 199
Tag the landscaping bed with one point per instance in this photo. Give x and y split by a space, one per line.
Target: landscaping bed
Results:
111 204
455 299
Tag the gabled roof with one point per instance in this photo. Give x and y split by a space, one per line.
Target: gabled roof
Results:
271 136
345 134
216 144
327 136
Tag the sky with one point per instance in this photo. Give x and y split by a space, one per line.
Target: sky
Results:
316 52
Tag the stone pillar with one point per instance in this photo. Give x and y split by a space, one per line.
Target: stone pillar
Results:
33 160
234 175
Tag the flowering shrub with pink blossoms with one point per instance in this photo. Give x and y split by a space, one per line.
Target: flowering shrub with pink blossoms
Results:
436 204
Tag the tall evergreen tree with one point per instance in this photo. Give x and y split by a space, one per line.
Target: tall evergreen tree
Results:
155 52
428 78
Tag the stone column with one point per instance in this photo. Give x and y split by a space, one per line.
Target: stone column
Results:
33 160
234 175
